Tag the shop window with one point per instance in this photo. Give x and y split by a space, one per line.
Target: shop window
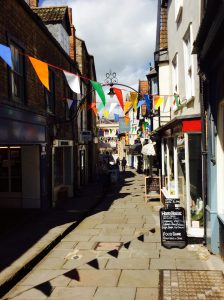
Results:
181 162
10 169
17 74
195 172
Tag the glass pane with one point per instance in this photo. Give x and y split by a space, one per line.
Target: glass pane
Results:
181 169
4 185
58 166
16 185
195 169
171 188
15 162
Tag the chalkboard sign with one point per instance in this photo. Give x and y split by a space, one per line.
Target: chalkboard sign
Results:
172 201
152 187
173 227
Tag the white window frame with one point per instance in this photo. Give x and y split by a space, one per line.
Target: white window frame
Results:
175 78
188 65
178 9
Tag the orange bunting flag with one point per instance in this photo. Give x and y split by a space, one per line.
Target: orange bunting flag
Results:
134 100
127 106
126 120
119 95
41 68
158 100
93 107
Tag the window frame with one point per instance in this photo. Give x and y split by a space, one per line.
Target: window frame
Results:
19 74
50 95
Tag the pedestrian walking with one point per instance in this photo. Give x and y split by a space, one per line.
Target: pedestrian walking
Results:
123 164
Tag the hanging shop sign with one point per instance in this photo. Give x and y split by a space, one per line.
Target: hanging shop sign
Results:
173 227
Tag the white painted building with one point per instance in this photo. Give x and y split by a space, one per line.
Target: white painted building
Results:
180 123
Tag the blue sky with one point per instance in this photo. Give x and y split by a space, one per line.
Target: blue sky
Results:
120 34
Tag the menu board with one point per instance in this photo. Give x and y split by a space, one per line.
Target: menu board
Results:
152 186
173 227
172 201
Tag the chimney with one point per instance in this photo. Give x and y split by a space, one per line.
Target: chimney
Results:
33 3
72 39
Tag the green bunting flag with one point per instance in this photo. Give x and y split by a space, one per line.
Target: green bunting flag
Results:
177 101
97 86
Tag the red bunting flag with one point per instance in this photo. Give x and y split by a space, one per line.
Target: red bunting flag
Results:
119 95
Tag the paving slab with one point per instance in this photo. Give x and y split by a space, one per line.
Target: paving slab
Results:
139 278
128 264
147 294
94 278
115 293
71 293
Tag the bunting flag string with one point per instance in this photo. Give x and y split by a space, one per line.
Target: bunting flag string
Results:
116 117
73 82
119 95
106 114
100 107
147 101
41 69
127 106
97 86
158 100
177 101
6 54
134 100
112 107
70 102
127 120
140 103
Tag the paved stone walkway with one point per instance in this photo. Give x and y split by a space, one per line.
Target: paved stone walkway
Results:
116 254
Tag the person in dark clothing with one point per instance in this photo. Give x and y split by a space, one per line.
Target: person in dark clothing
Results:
123 163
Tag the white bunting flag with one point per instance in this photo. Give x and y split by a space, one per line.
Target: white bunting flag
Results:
69 102
73 82
112 107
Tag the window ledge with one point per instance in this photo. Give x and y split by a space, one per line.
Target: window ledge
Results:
221 218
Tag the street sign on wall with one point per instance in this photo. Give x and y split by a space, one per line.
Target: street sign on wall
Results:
123 127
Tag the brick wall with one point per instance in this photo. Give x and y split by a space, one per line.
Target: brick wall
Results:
18 24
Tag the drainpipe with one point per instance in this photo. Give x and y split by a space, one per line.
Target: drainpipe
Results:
204 152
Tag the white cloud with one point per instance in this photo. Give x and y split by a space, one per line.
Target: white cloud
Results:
120 34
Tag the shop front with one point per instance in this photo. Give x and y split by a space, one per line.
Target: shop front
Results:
182 169
23 170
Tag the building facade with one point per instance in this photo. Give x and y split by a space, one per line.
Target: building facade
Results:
211 67
38 131
179 115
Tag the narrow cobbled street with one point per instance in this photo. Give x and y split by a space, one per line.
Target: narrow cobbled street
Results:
115 253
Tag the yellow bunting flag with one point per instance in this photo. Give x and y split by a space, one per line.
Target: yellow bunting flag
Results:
41 68
126 120
106 114
134 100
127 106
158 100
83 106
